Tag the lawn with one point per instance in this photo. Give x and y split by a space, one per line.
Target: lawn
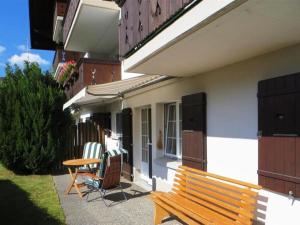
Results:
28 200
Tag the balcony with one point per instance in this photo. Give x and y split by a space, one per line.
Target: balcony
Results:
141 19
92 26
91 72
207 35
62 56
59 12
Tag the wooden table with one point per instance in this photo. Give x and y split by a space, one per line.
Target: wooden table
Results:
77 163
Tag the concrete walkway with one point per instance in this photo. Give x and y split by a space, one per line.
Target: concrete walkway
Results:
137 210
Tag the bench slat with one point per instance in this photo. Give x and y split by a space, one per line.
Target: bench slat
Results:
206 198
179 214
215 195
242 183
215 201
217 183
230 214
200 210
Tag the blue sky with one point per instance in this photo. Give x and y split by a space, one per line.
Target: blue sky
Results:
15 36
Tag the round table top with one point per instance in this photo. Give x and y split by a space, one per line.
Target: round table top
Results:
80 162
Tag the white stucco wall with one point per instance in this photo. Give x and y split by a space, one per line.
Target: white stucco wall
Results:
232 146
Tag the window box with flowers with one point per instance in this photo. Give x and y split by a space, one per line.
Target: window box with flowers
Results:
66 72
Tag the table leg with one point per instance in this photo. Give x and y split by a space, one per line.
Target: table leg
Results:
73 183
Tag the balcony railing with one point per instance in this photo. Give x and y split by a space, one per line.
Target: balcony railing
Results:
91 72
69 16
59 12
63 56
142 19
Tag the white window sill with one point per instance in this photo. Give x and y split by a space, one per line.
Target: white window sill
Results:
168 162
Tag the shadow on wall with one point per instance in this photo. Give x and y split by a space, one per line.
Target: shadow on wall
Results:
261 210
16 207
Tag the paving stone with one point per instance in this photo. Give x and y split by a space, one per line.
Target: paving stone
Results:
137 210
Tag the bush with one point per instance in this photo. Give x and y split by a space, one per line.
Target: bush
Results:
32 122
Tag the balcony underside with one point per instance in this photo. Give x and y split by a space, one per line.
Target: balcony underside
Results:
94 28
238 31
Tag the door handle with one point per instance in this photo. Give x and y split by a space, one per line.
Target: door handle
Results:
188 131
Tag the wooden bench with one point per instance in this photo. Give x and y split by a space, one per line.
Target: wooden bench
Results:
198 197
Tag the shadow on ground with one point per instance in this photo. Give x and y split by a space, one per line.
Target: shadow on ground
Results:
16 207
116 196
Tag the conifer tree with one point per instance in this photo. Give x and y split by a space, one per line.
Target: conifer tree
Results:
32 120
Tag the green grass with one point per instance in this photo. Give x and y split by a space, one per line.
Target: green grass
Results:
28 200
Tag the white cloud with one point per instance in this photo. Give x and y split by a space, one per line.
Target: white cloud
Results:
19 59
22 48
2 49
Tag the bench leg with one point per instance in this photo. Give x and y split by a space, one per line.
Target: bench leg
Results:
159 214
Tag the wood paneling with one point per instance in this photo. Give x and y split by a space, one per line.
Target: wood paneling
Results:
278 123
173 6
194 131
106 71
60 8
282 158
158 13
77 136
69 16
139 18
193 112
193 149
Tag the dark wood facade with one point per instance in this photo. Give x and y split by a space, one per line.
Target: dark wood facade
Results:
141 19
69 16
279 130
76 137
60 9
105 72
194 131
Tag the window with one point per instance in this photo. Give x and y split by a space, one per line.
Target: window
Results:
172 129
145 134
119 124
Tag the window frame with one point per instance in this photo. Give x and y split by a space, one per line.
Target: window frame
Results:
178 137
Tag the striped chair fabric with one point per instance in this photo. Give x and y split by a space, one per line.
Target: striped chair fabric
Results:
91 150
115 152
106 163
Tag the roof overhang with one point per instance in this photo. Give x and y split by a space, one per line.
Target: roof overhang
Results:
94 28
105 93
41 23
217 33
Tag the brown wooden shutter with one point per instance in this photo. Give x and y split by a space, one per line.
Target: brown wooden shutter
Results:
194 131
127 142
279 130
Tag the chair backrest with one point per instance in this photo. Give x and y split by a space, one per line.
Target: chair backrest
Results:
92 150
112 173
114 152
234 200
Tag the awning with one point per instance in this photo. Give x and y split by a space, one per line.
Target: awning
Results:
103 93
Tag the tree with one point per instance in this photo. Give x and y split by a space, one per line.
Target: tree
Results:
32 120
